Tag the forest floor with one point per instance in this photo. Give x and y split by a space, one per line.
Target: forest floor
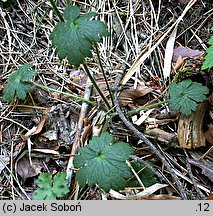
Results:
141 34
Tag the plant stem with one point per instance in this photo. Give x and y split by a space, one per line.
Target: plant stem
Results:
63 93
95 85
146 107
103 72
56 10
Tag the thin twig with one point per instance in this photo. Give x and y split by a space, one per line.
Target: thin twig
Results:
142 137
199 193
151 168
76 141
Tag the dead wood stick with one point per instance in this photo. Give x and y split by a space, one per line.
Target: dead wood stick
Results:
76 142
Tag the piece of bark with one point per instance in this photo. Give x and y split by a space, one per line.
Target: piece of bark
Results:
190 129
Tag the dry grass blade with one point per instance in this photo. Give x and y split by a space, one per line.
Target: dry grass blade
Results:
168 53
142 57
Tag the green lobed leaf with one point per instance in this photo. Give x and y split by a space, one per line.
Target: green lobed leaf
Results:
104 163
185 95
18 83
60 187
208 63
51 188
44 194
74 37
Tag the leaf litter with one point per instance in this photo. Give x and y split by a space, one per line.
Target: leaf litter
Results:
64 115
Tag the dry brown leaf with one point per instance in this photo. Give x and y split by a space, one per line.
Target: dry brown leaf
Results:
210 99
127 96
207 167
185 52
27 170
210 197
40 125
209 132
87 130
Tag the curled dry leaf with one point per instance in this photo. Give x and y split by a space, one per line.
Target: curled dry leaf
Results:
210 197
185 52
27 170
127 96
179 63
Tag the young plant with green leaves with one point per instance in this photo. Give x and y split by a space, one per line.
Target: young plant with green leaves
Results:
51 188
103 162
20 81
74 37
185 96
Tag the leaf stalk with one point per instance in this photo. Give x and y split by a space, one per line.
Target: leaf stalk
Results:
103 72
56 10
63 93
95 85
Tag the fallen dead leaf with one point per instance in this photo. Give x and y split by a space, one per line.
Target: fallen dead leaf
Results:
185 52
127 96
210 197
40 125
27 170
179 63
